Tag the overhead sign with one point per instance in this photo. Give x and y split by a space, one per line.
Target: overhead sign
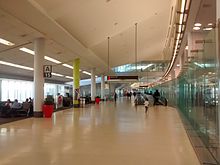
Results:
122 77
48 71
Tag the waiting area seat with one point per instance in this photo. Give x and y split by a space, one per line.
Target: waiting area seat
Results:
26 109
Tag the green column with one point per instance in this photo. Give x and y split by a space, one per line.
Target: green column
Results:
76 83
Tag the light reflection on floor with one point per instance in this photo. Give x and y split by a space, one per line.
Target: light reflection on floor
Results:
103 134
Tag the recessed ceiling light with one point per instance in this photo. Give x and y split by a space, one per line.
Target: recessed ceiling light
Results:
68 66
57 74
52 59
15 65
210 24
197 24
5 42
87 73
207 29
26 50
196 28
187 47
178 65
69 77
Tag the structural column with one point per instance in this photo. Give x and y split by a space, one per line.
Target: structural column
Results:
39 49
76 83
102 87
93 85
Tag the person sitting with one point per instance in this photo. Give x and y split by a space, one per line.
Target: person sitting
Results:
26 105
16 105
6 108
8 103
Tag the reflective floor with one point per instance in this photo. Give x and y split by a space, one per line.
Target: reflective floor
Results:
104 134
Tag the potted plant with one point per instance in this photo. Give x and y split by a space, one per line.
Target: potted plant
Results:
48 106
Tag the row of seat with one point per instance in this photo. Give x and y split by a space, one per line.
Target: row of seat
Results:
6 111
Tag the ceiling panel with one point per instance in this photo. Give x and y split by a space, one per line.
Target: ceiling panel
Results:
64 23
91 22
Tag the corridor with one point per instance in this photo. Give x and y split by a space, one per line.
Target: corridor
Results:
105 134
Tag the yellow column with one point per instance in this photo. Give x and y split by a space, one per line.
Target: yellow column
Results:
76 83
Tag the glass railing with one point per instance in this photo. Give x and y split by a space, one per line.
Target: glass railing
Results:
195 93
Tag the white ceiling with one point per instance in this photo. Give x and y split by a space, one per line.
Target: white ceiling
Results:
79 28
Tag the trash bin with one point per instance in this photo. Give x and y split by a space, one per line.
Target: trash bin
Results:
97 100
47 110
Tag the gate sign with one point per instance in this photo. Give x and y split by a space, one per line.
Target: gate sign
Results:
48 71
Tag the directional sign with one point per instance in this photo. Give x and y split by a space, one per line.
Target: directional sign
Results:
122 77
48 71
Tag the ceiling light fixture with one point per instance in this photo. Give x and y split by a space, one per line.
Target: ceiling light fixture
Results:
86 73
29 68
210 24
16 65
69 77
196 28
57 74
183 16
197 24
52 60
5 42
26 50
68 66
207 28
187 47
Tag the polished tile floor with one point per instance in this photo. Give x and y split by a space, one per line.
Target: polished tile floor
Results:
104 134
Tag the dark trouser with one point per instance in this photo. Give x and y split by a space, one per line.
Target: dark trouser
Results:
156 100
146 108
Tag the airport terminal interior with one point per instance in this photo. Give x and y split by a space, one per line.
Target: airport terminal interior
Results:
109 82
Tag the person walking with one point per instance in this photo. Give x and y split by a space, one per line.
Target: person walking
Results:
146 105
115 96
156 96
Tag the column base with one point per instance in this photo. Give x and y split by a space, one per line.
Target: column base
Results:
38 114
